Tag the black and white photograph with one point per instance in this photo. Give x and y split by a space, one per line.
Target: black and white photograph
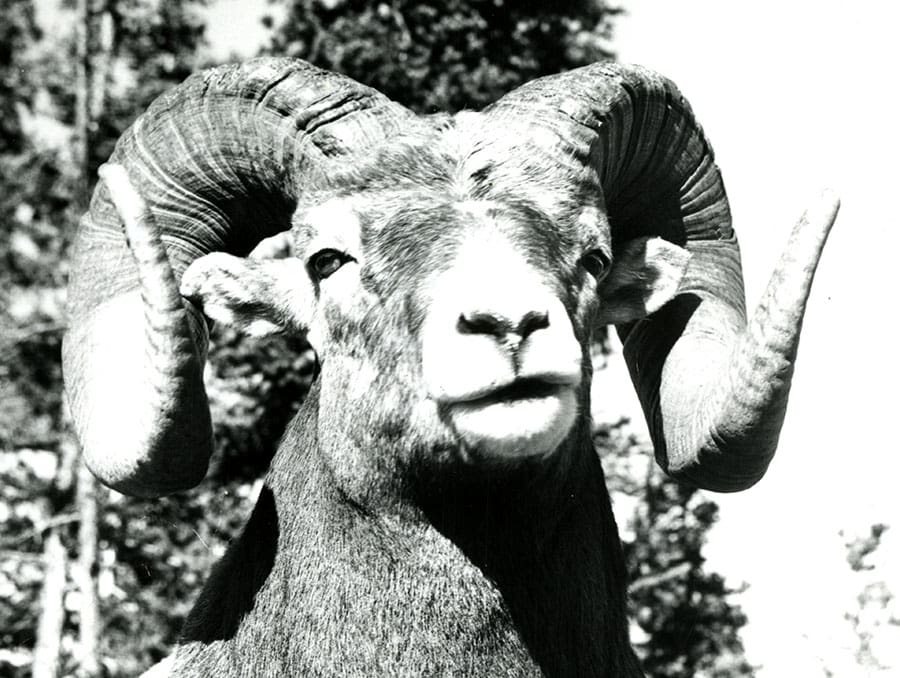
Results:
490 338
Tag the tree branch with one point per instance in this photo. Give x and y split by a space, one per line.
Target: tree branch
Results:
50 624
676 572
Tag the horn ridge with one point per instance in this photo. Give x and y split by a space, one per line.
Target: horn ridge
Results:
218 163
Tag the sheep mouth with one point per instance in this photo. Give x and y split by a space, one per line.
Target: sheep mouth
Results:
533 387
520 389
526 418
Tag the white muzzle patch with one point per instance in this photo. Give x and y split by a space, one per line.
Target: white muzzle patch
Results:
499 353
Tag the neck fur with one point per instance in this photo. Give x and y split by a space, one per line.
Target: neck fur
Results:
520 570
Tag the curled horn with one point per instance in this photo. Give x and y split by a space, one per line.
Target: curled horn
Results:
217 164
713 388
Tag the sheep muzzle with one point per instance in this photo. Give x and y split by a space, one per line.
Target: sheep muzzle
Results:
499 352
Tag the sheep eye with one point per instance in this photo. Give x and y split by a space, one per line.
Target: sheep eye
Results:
596 262
327 262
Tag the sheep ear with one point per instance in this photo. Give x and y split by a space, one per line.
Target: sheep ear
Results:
259 297
645 275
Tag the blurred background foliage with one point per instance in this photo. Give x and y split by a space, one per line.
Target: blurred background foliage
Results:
446 54
152 556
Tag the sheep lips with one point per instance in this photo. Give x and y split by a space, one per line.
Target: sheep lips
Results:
524 418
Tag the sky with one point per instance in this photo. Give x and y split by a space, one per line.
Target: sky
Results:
794 96
234 26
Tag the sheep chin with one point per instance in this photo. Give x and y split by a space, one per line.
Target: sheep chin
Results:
505 429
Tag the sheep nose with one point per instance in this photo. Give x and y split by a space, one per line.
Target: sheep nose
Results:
500 326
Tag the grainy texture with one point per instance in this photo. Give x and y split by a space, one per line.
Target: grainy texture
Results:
427 514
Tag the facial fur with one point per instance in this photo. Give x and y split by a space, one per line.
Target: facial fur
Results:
456 329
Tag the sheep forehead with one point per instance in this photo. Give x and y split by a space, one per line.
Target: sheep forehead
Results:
402 237
438 229
334 224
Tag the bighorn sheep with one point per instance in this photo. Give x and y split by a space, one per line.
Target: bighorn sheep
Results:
436 506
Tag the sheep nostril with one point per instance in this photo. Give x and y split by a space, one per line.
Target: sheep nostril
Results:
484 323
500 326
531 322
